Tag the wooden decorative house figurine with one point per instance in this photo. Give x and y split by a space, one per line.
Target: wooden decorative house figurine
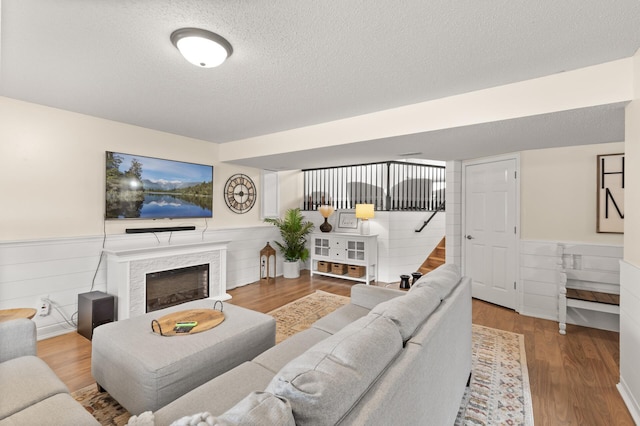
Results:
267 268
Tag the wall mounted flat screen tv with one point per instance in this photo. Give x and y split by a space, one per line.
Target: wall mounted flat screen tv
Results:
140 187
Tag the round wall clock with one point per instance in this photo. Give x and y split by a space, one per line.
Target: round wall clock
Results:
240 193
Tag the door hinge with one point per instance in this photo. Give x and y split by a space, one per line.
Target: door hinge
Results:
515 231
514 285
515 174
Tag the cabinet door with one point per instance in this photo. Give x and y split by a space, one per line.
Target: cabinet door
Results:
321 247
338 249
356 250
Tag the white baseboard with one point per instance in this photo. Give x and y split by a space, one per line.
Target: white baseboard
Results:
54 330
629 400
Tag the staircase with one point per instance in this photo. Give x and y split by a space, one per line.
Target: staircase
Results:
435 258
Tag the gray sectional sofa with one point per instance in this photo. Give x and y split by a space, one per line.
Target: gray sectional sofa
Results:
30 392
388 357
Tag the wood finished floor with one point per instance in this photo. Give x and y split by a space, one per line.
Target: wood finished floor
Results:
573 378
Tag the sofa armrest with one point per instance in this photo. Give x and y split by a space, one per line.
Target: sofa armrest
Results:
368 296
17 338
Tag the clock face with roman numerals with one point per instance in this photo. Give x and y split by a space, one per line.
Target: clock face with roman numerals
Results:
240 193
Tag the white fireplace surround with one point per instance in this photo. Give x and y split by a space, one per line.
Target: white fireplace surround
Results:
127 270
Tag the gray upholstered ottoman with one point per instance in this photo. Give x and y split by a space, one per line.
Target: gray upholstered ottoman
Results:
145 371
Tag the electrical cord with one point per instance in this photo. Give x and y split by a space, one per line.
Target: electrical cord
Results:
206 226
104 239
55 306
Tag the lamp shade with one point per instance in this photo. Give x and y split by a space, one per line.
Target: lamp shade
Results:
201 47
364 211
326 211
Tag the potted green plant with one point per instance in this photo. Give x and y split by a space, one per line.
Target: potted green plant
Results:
293 230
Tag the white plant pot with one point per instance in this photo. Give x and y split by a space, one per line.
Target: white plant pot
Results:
291 269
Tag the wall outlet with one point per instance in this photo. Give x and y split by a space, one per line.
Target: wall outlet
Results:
45 308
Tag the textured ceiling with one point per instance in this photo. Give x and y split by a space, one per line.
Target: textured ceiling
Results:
299 62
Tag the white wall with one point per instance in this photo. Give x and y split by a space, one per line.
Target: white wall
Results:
52 166
401 250
630 268
558 207
52 171
558 194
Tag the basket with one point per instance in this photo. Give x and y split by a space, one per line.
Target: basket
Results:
338 268
324 266
356 271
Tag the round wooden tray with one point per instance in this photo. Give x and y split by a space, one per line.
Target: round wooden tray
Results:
11 314
207 319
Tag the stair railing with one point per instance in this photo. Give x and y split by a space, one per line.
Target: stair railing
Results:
389 186
426 222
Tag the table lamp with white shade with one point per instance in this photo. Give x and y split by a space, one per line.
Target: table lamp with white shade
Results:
364 212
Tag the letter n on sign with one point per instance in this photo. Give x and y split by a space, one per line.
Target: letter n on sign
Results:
611 193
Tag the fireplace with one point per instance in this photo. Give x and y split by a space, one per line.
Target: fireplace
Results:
128 268
176 286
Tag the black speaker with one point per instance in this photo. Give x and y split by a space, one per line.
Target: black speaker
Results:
94 308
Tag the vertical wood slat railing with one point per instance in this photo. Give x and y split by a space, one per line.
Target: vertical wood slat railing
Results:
389 186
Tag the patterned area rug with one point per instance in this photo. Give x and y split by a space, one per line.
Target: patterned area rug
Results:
101 406
499 392
300 314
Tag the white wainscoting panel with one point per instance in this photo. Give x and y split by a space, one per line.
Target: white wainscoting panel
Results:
403 250
62 268
544 267
58 269
454 212
629 385
540 266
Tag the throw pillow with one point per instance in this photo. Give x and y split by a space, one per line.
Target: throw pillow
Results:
256 409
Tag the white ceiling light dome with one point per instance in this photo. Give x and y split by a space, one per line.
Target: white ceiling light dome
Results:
201 47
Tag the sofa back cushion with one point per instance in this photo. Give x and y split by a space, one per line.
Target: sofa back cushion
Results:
443 279
324 383
408 312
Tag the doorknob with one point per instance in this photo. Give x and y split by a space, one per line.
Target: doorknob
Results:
469 237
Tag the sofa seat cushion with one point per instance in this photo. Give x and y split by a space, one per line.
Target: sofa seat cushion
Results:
25 381
324 383
218 395
277 357
443 279
59 409
340 318
408 312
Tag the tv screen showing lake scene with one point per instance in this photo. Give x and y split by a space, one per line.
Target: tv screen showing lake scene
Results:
140 187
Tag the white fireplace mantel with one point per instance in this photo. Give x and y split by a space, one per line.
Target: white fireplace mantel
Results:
127 268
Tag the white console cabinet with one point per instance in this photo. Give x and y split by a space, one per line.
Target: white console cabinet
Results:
355 256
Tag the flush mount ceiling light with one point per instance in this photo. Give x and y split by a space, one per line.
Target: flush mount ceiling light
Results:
201 47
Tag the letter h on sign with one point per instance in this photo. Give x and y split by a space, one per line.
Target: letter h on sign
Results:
611 193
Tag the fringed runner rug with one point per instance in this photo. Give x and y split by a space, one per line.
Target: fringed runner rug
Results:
499 393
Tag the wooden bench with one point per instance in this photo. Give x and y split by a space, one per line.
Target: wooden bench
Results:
593 296
590 281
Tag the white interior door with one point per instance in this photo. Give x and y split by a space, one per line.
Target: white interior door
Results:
490 234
